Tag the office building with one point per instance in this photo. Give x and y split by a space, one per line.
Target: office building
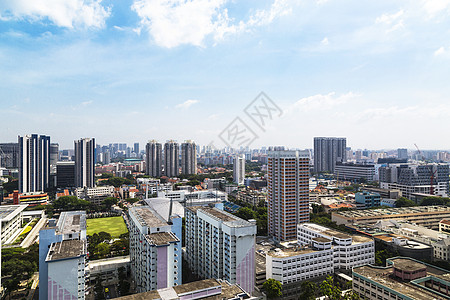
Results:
430 179
188 158
34 163
402 153
239 169
208 289
9 155
95 194
54 153
403 279
288 193
85 162
153 153
220 245
63 257
171 159
354 172
65 174
11 217
367 200
136 148
155 249
327 152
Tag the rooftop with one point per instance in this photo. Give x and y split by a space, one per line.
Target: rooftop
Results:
148 217
72 221
66 249
408 265
162 238
393 211
227 218
8 212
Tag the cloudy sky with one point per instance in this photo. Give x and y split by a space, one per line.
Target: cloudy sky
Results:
376 72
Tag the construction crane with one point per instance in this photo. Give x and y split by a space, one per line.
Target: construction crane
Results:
420 152
432 173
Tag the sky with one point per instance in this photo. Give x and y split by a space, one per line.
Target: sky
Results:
376 72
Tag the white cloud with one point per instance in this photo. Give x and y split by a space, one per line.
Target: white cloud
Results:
176 22
392 22
439 52
325 42
63 13
86 103
186 104
434 7
322 102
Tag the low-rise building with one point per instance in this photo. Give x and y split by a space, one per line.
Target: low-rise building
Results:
251 197
95 194
106 270
367 200
11 218
354 172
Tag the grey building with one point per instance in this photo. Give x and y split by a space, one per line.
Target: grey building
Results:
171 159
34 163
402 153
153 154
188 158
85 162
327 152
136 148
54 149
65 174
9 155
354 172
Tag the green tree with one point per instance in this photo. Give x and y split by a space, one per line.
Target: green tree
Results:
102 249
245 213
330 290
427 201
404 202
272 288
109 202
309 290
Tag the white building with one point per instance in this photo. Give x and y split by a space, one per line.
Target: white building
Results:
220 245
155 250
239 169
85 162
11 217
195 198
95 194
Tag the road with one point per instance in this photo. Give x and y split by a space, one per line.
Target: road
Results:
31 237
35 279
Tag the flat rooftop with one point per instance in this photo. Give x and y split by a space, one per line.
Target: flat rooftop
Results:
196 285
393 211
148 217
227 218
8 212
66 249
408 265
72 221
162 238
286 249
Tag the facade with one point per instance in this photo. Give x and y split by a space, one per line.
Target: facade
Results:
354 172
95 194
11 217
367 200
136 148
171 159
426 216
402 278
54 153
239 169
155 249
153 154
288 193
207 289
220 245
34 163
402 153
9 155
65 174
85 162
327 152
431 179
251 197
188 158
63 267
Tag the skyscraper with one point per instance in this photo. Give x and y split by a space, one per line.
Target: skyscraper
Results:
153 154
34 163
402 153
327 152
9 155
84 162
239 169
54 149
136 148
171 159
288 193
188 157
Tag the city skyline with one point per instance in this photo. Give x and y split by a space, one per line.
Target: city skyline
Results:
363 70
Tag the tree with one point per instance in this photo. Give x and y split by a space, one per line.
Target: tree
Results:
404 202
309 290
272 288
427 201
102 249
245 213
110 201
330 290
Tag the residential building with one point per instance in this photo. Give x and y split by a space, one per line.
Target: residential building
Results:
327 152
402 153
220 245
354 172
106 271
85 163
11 217
65 174
427 216
171 159
402 278
367 200
153 153
431 179
188 158
207 289
34 163
239 169
9 155
95 194
288 193
63 266
155 249
252 197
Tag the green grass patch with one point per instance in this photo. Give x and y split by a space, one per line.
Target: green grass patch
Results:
115 226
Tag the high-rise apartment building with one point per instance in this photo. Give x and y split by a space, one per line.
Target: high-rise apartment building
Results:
85 162
153 154
402 153
9 155
327 152
171 159
288 193
239 169
188 157
155 249
34 163
220 245
136 148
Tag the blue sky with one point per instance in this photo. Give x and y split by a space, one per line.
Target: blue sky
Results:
376 72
